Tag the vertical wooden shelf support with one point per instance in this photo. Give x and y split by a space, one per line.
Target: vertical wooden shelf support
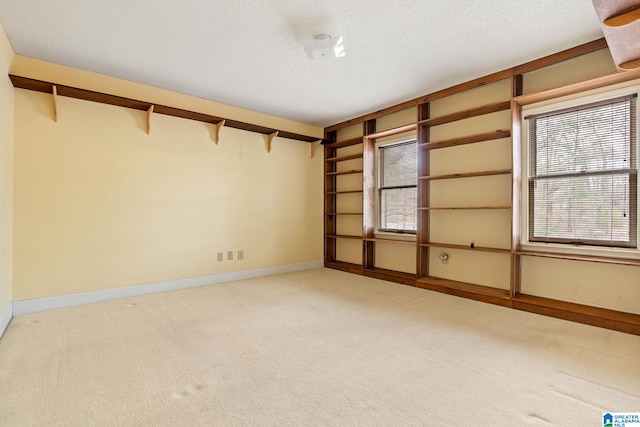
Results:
315 145
270 140
219 126
149 113
55 103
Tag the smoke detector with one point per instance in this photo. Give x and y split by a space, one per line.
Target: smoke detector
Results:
324 46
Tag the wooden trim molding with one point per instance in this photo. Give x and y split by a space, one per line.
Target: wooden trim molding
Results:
104 98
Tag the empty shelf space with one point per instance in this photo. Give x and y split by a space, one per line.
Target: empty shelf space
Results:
344 172
381 240
343 158
345 143
590 258
343 213
466 247
461 208
344 192
343 236
469 139
467 174
467 290
471 112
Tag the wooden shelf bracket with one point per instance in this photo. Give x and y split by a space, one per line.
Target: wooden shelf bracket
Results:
219 126
315 145
270 140
149 113
55 103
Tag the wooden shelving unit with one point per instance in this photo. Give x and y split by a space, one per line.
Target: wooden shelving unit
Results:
424 124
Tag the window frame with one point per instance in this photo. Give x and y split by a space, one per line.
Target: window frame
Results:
558 104
384 232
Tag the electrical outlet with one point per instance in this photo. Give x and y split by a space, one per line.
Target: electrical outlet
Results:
220 256
230 255
240 255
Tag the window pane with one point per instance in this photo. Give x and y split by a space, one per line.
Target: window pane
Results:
583 209
398 164
590 139
398 209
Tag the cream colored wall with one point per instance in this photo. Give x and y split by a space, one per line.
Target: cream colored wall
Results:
6 172
100 204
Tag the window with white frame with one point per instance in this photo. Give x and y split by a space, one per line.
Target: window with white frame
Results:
396 175
583 174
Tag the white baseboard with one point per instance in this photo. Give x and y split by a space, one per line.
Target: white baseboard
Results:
52 303
5 319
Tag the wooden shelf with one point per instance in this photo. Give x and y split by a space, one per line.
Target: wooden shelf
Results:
343 158
630 65
595 316
623 19
467 174
104 98
344 192
394 131
466 290
466 248
343 236
464 208
402 242
345 143
344 213
472 112
344 172
589 258
469 139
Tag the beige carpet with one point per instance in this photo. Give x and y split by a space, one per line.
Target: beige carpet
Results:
315 348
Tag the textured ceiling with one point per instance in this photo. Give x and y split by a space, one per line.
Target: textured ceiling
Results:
250 53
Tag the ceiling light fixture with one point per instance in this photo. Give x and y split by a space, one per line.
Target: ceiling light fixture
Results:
324 46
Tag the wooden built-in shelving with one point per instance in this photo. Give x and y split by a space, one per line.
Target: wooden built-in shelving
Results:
344 213
466 114
348 172
466 174
468 139
463 208
424 122
467 290
466 247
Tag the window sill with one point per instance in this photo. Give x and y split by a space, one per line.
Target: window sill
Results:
624 253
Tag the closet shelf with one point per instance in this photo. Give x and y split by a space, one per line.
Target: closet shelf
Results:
471 112
467 174
469 139
380 240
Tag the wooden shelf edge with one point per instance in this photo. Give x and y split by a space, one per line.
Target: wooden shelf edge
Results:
344 266
342 236
463 208
467 174
344 158
344 192
344 213
403 242
587 258
394 131
390 275
466 114
344 172
345 143
105 98
594 316
466 248
469 139
466 290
